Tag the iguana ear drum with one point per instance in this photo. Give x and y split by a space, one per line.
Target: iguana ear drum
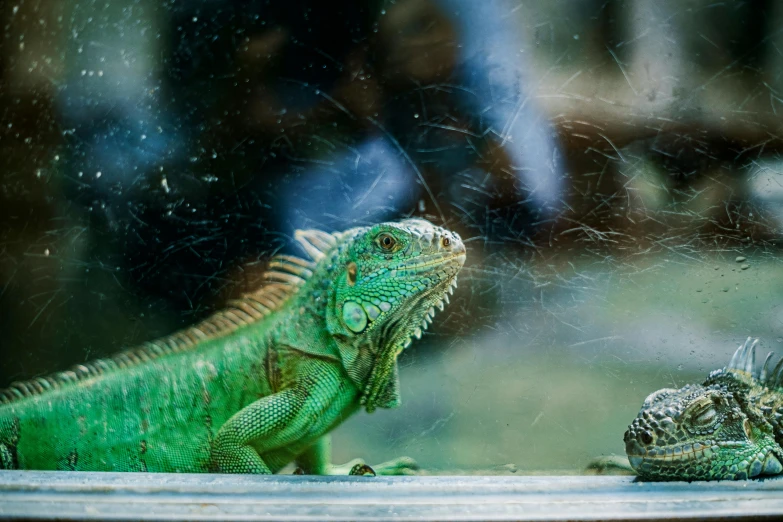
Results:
351 273
354 316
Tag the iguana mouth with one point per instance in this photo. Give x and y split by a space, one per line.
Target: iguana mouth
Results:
659 462
685 452
658 466
435 260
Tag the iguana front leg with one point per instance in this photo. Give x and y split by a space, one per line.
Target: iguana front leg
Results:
317 460
267 424
279 420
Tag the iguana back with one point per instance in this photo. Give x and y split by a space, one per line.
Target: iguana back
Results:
160 415
255 385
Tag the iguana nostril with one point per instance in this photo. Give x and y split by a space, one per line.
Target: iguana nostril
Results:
646 437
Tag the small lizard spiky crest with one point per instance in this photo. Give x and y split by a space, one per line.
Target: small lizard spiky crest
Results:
283 278
742 368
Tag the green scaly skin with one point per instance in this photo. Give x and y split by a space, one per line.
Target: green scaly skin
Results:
258 385
730 427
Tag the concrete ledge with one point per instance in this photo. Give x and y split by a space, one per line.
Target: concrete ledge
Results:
144 496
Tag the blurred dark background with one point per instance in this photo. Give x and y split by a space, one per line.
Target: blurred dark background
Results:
608 162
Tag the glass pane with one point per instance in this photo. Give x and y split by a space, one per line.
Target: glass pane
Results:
612 167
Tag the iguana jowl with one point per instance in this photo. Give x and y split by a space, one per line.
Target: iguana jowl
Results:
257 385
730 427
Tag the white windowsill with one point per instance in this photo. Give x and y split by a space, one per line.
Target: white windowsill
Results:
72 496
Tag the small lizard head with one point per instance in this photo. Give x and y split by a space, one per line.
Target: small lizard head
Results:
390 278
712 431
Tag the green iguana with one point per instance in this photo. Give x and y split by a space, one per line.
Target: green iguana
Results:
730 427
258 385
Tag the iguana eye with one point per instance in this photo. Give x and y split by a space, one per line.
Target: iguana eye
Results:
704 414
705 417
386 242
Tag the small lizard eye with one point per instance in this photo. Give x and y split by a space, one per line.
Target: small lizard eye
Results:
705 417
704 414
387 242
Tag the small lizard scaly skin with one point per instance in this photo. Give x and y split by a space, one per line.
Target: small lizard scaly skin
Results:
730 427
257 385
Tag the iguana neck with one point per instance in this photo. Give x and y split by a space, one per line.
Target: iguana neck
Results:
301 323
302 326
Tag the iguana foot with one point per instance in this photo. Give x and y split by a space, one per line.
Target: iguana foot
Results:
362 470
398 466
7 457
610 465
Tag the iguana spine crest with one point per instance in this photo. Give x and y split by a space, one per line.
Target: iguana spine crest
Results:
743 362
284 276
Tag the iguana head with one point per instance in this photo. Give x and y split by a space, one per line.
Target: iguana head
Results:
388 280
712 431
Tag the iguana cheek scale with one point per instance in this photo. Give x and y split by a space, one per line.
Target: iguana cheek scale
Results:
257 385
354 317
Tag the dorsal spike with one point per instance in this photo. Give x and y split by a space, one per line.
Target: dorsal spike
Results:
284 277
292 265
777 374
750 356
764 374
292 260
736 358
315 242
